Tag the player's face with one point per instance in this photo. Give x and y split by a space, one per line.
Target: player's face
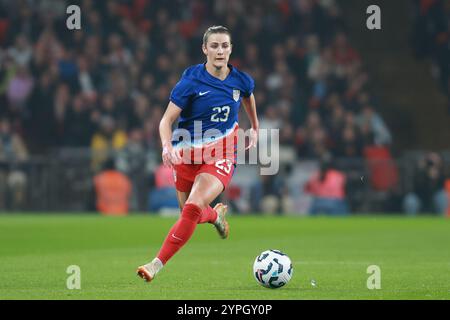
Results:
218 49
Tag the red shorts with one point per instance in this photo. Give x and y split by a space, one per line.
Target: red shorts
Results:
217 158
184 174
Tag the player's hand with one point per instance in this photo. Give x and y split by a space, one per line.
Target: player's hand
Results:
171 156
253 138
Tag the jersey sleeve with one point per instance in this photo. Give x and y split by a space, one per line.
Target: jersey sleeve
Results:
181 93
249 85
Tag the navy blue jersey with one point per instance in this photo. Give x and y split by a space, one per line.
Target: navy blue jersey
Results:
214 102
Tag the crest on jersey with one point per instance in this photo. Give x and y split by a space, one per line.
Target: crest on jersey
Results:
236 94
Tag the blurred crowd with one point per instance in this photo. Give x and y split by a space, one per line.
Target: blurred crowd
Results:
110 81
105 87
431 39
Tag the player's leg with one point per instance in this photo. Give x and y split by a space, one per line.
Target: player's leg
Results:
182 197
184 180
183 188
194 205
209 215
205 189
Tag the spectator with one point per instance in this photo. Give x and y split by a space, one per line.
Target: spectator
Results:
106 140
382 136
328 189
19 88
151 128
119 55
343 53
164 196
265 195
78 127
13 178
39 114
383 170
313 137
140 112
231 197
86 80
428 194
132 160
112 190
349 144
108 106
22 52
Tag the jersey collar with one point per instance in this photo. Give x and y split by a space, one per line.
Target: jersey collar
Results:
217 79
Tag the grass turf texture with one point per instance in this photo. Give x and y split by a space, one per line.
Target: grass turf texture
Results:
35 251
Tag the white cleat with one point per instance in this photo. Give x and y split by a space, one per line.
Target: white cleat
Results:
148 271
221 223
145 274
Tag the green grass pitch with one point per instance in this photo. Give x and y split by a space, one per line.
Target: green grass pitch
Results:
412 253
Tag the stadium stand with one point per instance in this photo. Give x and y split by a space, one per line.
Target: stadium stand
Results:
105 87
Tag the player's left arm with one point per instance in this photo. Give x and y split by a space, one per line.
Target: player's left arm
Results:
250 109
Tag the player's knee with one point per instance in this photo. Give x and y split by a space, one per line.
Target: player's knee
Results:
191 211
197 202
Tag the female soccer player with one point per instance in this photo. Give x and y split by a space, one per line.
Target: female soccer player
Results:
206 99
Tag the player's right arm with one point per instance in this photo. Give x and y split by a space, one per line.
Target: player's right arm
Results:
170 155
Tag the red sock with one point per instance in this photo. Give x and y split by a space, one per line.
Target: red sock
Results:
208 215
181 232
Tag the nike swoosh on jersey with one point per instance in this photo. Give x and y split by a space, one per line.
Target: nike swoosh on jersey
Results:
203 93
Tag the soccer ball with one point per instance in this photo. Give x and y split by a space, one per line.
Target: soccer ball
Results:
272 269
